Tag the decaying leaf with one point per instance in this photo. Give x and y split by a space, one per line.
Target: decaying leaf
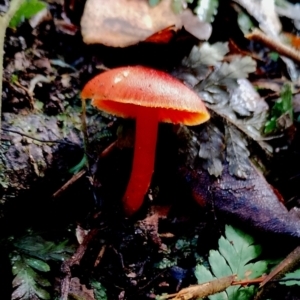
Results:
238 68
122 23
212 148
150 224
80 291
250 201
244 100
226 90
192 24
209 55
237 153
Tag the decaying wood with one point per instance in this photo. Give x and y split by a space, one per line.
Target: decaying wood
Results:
31 146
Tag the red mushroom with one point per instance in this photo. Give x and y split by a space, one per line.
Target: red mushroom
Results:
150 96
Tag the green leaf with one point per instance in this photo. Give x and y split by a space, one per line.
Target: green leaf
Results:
99 290
37 264
30 255
202 274
235 252
244 22
27 10
218 264
82 164
35 246
292 278
27 282
281 115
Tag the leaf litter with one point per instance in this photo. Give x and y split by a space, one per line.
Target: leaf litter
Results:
223 148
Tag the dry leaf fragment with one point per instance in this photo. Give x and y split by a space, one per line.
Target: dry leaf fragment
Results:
80 291
237 153
150 224
208 55
121 23
192 24
212 148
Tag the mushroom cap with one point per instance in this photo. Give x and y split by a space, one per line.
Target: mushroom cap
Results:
125 91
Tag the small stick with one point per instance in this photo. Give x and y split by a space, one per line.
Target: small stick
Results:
68 183
245 282
273 44
100 255
78 175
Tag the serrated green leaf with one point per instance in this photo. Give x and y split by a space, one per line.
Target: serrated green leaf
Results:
26 10
26 287
218 264
235 252
292 278
30 243
37 264
202 274
256 269
37 247
42 293
30 255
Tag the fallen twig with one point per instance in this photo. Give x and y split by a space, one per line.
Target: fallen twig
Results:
78 175
274 44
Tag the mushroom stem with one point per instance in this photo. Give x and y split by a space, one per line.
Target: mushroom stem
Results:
143 161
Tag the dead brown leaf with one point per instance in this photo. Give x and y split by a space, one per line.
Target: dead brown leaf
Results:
121 23
251 201
150 224
80 291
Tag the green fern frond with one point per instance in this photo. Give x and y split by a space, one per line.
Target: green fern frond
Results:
237 254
